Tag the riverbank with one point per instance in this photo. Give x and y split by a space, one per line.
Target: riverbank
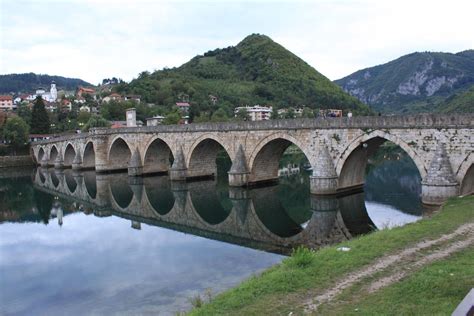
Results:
420 268
15 161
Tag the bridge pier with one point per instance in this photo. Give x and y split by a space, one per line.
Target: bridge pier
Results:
135 167
239 172
44 162
324 180
178 171
77 162
58 162
439 183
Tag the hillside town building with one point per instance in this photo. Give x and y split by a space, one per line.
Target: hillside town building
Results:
6 103
256 112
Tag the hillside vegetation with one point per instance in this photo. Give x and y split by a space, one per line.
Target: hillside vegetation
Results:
417 82
29 82
463 102
256 71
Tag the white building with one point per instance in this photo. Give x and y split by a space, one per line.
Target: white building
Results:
256 112
155 120
50 96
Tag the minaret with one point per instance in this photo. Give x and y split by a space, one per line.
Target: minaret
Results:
53 92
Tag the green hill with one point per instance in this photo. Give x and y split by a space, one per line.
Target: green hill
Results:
256 71
29 82
417 82
463 102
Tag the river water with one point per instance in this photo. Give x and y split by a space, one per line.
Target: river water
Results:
81 243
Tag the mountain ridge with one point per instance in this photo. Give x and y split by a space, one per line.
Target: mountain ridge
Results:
255 71
29 82
416 82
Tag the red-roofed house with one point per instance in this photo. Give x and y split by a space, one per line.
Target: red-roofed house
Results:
112 97
183 106
6 103
81 90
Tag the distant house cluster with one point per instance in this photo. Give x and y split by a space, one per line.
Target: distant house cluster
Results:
63 101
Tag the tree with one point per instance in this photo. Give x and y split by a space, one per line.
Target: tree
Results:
16 131
219 116
39 118
96 121
242 115
290 114
172 118
307 113
24 112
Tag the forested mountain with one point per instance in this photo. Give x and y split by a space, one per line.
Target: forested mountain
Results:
256 71
29 82
461 102
417 82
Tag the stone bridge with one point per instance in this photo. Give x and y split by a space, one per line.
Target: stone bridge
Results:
441 146
254 218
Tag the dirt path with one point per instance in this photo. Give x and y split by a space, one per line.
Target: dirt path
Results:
455 241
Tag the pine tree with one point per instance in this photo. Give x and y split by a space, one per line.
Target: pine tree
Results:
39 118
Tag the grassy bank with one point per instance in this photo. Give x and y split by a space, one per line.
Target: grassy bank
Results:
283 288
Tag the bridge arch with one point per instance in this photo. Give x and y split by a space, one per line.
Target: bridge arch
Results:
351 165
119 154
69 155
40 155
88 157
265 158
158 156
465 175
203 153
53 154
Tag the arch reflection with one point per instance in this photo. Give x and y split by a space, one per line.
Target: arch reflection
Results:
210 202
159 194
70 181
276 218
121 191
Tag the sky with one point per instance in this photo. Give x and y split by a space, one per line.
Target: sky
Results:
93 40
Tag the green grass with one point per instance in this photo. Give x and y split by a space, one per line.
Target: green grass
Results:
279 290
437 289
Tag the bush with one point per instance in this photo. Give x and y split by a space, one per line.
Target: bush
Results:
301 257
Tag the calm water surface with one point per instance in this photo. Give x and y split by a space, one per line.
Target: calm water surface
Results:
81 243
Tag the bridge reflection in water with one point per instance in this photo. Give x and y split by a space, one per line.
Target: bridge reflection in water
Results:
257 218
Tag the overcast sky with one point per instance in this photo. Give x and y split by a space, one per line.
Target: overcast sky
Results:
93 40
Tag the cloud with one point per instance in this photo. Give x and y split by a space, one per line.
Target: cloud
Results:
97 39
